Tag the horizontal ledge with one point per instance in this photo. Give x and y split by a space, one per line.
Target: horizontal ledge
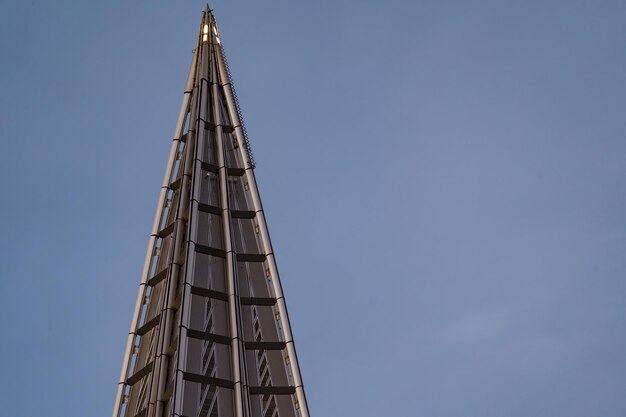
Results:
235 214
242 214
158 277
167 230
272 390
222 296
148 325
231 171
235 172
139 374
257 301
251 257
212 337
209 125
221 253
175 185
210 251
206 166
205 292
208 208
220 382
265 345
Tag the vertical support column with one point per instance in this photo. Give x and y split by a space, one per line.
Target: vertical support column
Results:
200 113
184 231
178 132
233 301
179 251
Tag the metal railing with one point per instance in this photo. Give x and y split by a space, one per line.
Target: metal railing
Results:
246 142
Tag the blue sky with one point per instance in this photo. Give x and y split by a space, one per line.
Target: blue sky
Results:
444 182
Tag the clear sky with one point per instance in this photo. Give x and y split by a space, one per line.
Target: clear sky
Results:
444 181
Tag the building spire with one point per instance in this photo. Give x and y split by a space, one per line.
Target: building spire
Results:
210 334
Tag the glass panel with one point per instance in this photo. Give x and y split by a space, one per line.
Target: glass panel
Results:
231 151
264 405
194 393
209 150
253 280
209 188
209 272
246 239
239 194
210 230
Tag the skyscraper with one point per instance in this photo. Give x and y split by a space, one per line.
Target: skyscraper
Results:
210 334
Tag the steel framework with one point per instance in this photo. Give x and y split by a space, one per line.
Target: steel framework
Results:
210 334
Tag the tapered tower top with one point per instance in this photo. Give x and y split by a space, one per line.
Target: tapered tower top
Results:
210 335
